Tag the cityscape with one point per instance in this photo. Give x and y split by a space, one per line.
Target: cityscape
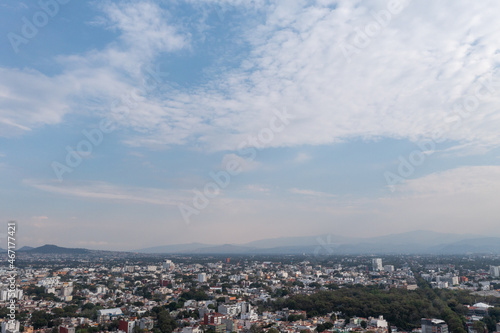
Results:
249 166
77 290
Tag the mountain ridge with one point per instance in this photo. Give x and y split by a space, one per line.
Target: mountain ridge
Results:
413 242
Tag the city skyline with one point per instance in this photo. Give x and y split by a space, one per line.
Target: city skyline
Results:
130 124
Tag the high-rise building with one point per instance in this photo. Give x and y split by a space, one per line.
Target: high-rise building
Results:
126 326
168 265
434 326
495 271
202 277
377 264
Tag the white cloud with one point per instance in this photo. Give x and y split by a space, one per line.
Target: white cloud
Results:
93 81
40 221
243 164
463 199
31 99
39 218
143 25
460 200
103 190
404 84
258 188
302 157
483 180
310 193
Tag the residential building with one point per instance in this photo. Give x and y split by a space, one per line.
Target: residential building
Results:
10 326
434 326
126 326
107 314
66 329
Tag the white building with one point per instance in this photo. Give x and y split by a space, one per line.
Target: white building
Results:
230 310
495 271
192 329
51 282
434 326
377 264
107 314
11 326
202 277
378 322
442 285
100 289
129 269
146 324
168 265
389 268
4 294
233 310
282 274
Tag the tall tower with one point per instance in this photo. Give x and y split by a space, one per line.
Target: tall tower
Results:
377 264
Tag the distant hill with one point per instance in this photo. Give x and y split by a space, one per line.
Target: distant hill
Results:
299 241
223 249
176 248
415 242
473 245
57 250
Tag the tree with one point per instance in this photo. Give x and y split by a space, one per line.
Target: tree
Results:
256 329
294 317
166 323
478 326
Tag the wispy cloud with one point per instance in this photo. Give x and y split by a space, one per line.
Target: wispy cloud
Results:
242 163
311 193
103 190
405 84
258 188
484 180
302 157
93 80
40 221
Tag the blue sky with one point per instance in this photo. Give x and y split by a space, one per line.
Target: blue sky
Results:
347 117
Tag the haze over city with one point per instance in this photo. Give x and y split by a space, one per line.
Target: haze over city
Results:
132 124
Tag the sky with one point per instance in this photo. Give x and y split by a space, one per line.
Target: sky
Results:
130 124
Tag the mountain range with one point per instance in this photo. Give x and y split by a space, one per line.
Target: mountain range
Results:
50 249
414 242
